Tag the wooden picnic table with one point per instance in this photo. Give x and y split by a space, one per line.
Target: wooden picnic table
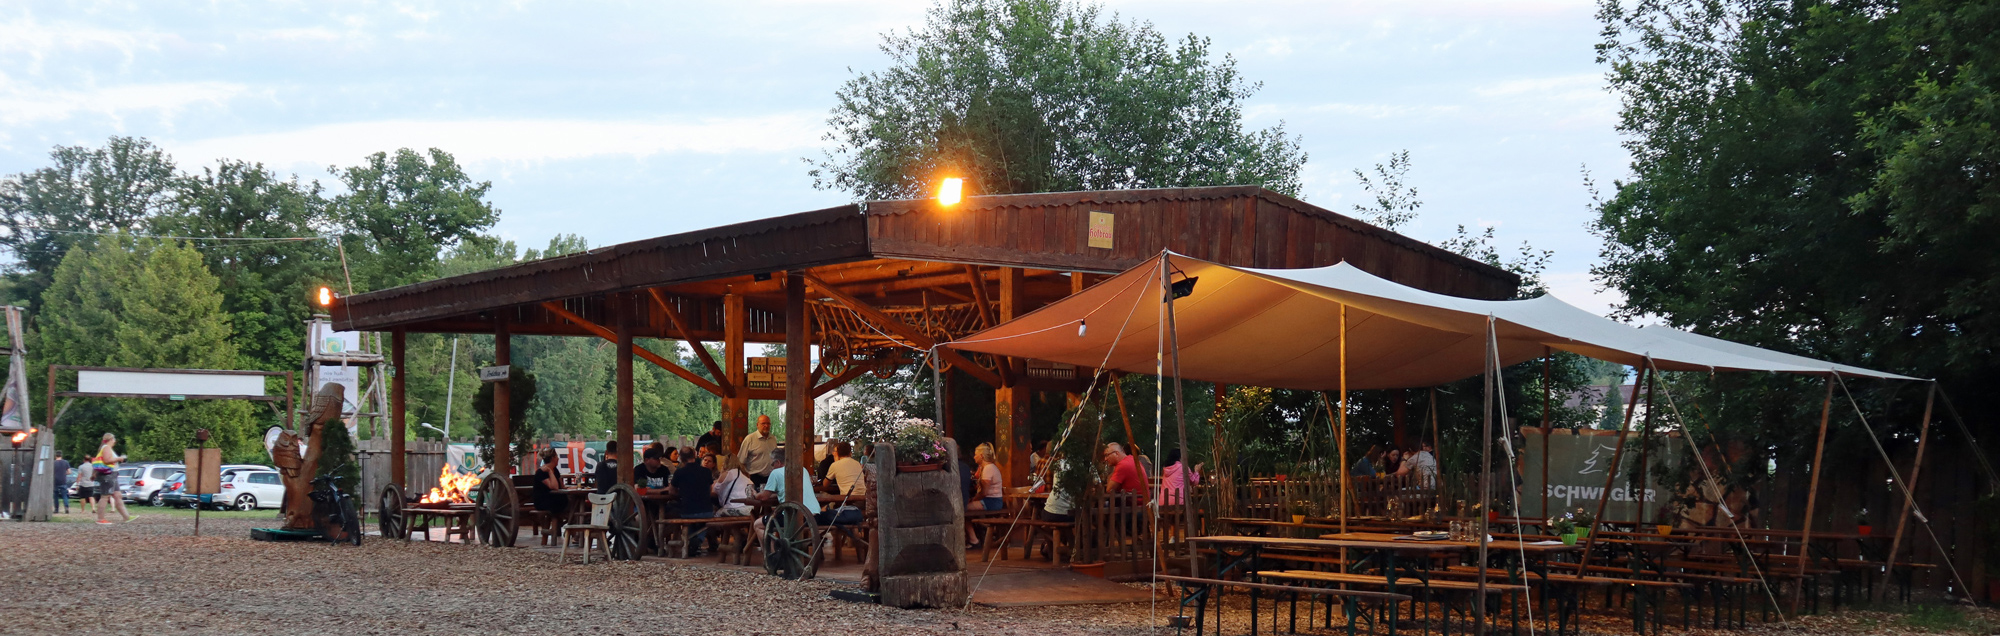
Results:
1512 546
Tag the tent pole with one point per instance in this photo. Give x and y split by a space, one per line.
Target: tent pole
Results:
1437 452
1187 458
1612 472
1485 480
1909 499
1645 438
1547 355
1342 334
1812 496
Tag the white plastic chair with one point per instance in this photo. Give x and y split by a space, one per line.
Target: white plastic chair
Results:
599 527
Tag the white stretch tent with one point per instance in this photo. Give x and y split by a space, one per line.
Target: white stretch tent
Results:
1280 328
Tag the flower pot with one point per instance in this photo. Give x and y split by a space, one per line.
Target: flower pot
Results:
1569 539
918 468
1864 529
1298 518
1493 516
1664 529
1583 533
1088 569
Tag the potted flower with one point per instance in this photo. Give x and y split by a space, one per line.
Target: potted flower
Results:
1861 526
1299 509
1584 523
919 448
1564 527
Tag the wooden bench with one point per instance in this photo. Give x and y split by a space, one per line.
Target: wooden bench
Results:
1468 588
666 531
1199 590
1563 587
1035 527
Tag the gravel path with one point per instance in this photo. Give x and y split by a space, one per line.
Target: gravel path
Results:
150 577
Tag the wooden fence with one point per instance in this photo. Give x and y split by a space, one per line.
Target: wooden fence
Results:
422 459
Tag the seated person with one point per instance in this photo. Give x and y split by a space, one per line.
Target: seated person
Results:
652 474
775 485
607 469
732 488
844 473
693 486
548 480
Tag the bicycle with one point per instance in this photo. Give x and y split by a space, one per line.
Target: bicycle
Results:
336 509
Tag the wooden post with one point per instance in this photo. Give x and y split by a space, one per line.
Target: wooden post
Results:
503 435
1812 497
1909 498
735 409
623 387
944 405
1485 476
1124 416
1610 474
1012 402
1399 429
798 387
398 427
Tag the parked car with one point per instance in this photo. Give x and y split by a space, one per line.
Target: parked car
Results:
148 478
179 498
250 489
172 494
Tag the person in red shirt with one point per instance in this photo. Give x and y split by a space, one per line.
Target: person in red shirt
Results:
1126 477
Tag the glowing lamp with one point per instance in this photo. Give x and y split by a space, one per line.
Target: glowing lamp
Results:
326 296
951 191
19 438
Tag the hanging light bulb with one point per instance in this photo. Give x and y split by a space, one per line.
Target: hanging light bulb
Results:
1082 328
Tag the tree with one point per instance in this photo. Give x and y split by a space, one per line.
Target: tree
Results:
1817 178
86 190
402 210
123 302
265 283
1395 203
1046 95
520 397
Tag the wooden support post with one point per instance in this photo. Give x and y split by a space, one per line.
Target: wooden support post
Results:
944 404
1012 401
398 431
503 434
1909 499
1812 498
1344 496
736 407
1645 439
1611 473
1399 429
798 382
623 387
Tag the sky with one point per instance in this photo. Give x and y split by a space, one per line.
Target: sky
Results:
623 121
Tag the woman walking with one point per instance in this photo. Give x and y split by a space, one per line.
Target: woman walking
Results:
108 492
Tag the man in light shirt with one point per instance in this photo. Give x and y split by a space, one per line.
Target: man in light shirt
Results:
757 451
844 474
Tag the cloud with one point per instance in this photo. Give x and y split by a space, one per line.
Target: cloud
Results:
517 141
21 105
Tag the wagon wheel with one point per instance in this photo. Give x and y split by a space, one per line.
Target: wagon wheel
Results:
790 536
389 513
835 353
628 534
498 516
886 365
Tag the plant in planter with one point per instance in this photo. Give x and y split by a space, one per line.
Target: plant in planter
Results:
1585 521
1299 509
1564 527
1861 525
919 447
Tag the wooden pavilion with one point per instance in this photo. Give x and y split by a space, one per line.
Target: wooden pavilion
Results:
874 285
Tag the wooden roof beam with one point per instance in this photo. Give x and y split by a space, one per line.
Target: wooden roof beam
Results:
700 351
601 332
902 329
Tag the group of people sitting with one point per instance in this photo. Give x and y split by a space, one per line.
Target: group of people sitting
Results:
1123 474
1389 461
705 483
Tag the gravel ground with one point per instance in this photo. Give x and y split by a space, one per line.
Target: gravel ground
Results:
149 576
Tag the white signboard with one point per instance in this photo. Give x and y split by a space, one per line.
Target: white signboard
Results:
169 382
327 342
494 374
348 377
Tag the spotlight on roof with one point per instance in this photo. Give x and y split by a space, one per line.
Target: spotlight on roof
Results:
1184 287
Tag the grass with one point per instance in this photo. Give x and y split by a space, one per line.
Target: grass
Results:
1941 618
77 514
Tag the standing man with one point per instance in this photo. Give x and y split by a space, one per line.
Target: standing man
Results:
757 450
711 439
62 482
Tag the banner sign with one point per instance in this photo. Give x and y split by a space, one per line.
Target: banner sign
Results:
1578 461
170 382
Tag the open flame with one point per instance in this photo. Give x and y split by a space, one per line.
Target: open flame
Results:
453 486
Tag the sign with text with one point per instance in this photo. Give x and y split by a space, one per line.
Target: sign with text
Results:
495 374
349 379
1101 229
1578 461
